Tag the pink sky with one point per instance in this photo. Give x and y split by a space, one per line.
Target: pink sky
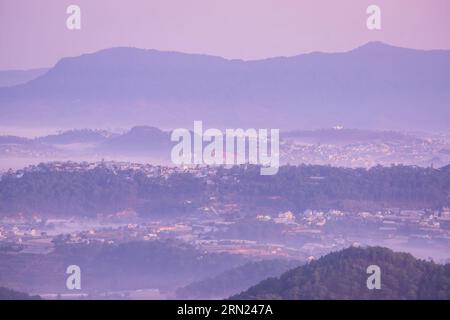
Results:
33 33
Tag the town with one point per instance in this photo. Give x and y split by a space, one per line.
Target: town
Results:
222 226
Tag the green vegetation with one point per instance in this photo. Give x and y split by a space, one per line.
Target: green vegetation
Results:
342 275
104 190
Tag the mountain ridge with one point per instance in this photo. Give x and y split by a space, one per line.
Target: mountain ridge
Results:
375 86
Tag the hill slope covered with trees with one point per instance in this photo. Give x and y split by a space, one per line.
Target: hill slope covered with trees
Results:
342 275
90 191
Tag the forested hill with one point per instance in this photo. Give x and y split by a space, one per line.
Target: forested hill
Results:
342 275
88 190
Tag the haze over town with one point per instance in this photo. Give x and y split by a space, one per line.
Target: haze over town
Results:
88 178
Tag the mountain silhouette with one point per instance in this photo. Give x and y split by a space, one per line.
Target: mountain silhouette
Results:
375 86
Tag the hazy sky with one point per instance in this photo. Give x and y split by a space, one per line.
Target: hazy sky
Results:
34 34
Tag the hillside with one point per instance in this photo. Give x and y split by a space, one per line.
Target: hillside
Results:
236 279
84 189
375 86
342 275
14 77
109 267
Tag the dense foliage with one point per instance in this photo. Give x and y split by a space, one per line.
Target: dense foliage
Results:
102 190
342 275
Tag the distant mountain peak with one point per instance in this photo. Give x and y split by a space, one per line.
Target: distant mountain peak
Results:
376 86
377 46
